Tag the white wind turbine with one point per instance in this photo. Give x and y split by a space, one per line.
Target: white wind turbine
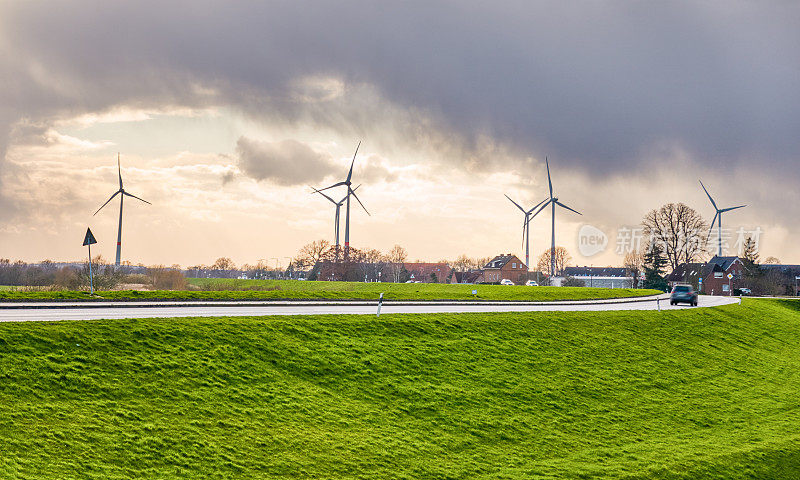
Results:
121 192
717 218
526 227
553 201
350 191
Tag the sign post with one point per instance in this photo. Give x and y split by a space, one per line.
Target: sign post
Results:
730 288
88 240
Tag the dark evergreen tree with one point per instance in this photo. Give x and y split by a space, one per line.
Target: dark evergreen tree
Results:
750 258
654 264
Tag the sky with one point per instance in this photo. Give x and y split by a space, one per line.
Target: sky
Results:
225 113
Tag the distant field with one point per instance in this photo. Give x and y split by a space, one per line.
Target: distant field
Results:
222 289
701 393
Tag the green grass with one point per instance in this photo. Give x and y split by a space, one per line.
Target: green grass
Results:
222 289
700 393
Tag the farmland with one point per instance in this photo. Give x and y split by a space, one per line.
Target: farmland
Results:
224 289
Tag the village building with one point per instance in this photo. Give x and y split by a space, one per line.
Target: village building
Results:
712 277
601 277
469 277
506 266
423 272
786 276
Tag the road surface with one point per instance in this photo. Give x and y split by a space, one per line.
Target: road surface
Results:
24 312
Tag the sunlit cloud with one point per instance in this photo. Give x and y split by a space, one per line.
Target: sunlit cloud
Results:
224 139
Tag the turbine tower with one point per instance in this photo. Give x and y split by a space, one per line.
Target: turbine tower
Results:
717 218
121 192
350 191
553 201
526 227
338 209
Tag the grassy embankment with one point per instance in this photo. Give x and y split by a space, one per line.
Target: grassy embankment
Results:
700 393
220 289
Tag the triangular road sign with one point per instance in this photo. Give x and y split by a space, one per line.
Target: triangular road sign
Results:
89 239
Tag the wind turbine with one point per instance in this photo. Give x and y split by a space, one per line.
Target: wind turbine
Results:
121 192
553 201
526 227
350 191
338 208
717 218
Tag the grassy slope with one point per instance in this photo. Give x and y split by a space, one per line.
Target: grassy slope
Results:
220 289
689 394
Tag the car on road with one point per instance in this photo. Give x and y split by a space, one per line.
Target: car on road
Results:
746 291
531 283
506 281
683 294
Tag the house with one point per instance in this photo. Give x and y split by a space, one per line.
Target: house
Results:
601 277
787 277
506 266
710 277
469 277
424 272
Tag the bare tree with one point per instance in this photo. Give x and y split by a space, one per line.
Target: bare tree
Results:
374 263
772 260
223 263
397 254
679 230
634 264
481 262
562 259
311 253
462 263
396 257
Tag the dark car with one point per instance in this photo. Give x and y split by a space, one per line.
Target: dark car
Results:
683 294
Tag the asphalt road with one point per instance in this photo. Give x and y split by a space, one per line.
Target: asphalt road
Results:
25 312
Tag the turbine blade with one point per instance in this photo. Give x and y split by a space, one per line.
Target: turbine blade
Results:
112 198
359 202
317 191
515 203
712 226
564 206
537 206
731 208
543 206
524 230
709 195
345 197
350 173
134 196
549 182
119 171
339 184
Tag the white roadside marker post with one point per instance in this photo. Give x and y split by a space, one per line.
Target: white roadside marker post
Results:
658 303
380 303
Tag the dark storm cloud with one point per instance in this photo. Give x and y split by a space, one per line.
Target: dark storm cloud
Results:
600 85
287 162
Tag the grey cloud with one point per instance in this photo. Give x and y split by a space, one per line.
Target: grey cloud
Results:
287 162
375 170
597 85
